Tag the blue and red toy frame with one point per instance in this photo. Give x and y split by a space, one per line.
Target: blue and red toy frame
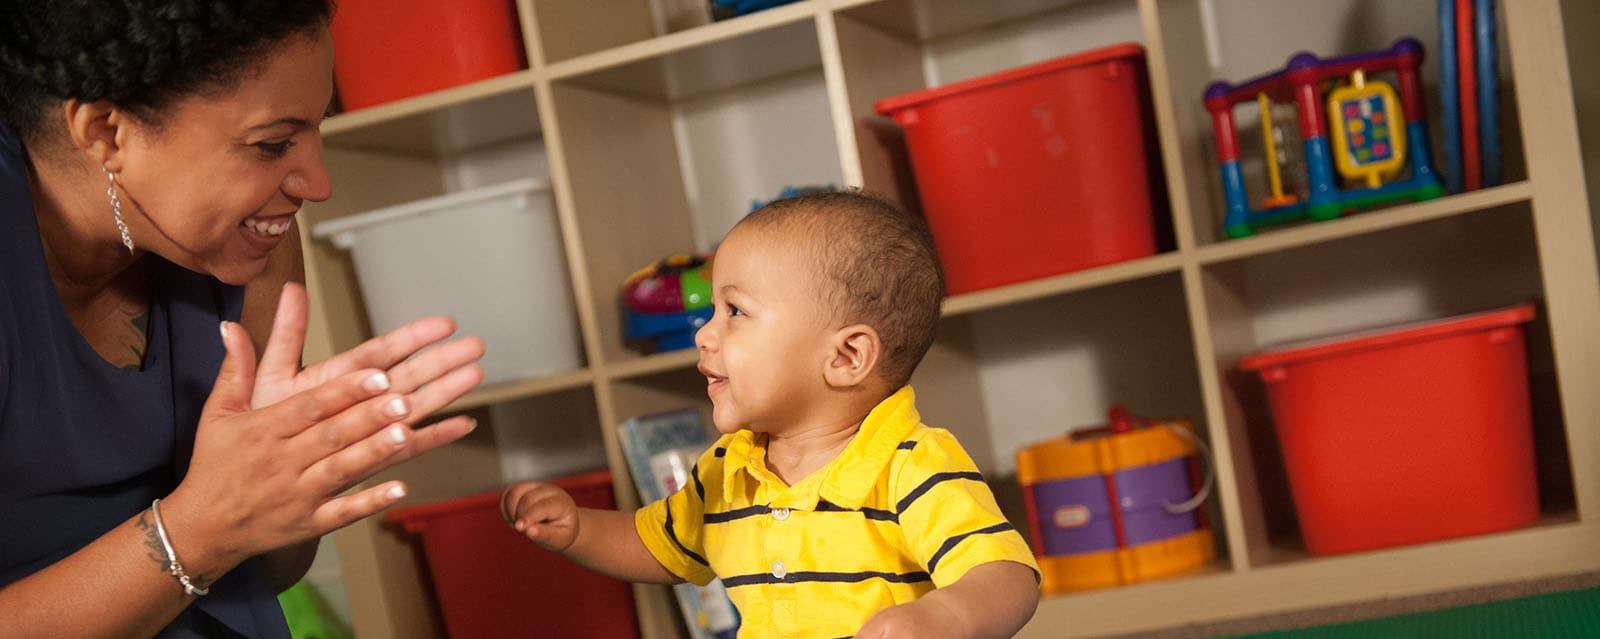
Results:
1299 81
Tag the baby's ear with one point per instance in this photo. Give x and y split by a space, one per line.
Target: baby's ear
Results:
856 351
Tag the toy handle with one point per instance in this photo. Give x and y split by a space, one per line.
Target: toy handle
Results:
1210 480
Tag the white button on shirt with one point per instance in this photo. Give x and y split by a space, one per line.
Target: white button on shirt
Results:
780 514
778 569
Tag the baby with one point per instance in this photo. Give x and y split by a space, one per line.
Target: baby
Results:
827 507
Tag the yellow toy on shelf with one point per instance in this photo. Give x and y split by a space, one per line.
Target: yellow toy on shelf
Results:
1369 138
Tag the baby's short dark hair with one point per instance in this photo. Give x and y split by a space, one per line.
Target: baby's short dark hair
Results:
879 268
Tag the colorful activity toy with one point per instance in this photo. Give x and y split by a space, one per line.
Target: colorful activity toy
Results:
1117 504
666 302
1375 138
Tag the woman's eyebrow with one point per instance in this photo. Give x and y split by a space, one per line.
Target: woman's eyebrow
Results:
298 123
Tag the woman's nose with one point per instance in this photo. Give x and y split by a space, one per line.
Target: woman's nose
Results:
309 180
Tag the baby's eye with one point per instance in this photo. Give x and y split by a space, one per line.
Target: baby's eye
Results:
734 311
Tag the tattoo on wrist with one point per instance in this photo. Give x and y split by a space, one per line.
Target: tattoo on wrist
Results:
162 553
152 540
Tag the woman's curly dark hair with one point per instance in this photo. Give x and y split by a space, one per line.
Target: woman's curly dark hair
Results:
140 54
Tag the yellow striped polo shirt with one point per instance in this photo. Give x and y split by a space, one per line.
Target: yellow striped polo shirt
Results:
901 511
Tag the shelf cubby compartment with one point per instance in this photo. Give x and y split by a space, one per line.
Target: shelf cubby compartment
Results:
387 156
582 33
1441 268
1240 50
1010 376
665 154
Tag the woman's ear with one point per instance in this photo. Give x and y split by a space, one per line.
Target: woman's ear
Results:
96 130
856 350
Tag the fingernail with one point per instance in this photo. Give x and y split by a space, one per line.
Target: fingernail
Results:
396 407
396 434
472 424
378 383
222 327
397 491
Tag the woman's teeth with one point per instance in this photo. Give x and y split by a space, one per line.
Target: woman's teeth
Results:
266 228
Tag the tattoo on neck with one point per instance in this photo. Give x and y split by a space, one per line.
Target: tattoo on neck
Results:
136 336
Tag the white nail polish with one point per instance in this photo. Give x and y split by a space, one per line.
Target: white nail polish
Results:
377 383
395 408
222 327
397 491
396 434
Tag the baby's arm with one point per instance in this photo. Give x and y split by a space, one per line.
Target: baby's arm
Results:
604 541
992 600
984 573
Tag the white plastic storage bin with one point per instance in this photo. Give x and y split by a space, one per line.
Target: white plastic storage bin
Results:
490 257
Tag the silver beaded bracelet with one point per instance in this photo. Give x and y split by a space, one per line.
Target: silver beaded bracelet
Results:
173 567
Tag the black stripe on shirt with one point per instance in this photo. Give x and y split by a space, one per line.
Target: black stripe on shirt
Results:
929 484
673 535
825 577
950 543
724 517
720 452
825 506
907 445
699 488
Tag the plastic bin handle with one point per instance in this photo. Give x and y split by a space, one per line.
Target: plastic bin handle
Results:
1206 485
344 240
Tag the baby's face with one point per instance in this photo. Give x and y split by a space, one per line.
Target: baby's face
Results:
764 350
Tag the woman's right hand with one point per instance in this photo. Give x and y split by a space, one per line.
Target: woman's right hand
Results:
274 450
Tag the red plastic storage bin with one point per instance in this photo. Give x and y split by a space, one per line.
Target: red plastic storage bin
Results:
1035 171
1407 435
493 582
385 50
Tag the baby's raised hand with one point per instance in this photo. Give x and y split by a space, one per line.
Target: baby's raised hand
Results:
543 512
923 619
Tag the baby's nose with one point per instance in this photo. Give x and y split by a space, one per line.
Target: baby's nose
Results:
705 338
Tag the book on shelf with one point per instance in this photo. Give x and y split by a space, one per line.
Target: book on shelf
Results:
661 450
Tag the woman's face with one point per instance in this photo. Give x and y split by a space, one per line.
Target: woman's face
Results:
216 186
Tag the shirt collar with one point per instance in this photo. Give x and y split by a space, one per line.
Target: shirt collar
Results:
849 477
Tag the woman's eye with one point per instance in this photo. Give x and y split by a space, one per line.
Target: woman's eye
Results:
274 150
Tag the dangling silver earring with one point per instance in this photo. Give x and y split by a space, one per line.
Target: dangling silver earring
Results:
116 209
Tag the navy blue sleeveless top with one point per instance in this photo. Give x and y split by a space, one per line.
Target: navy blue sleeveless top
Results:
84 445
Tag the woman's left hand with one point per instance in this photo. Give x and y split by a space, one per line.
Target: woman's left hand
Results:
280 375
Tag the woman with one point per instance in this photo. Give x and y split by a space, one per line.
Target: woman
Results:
153 154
